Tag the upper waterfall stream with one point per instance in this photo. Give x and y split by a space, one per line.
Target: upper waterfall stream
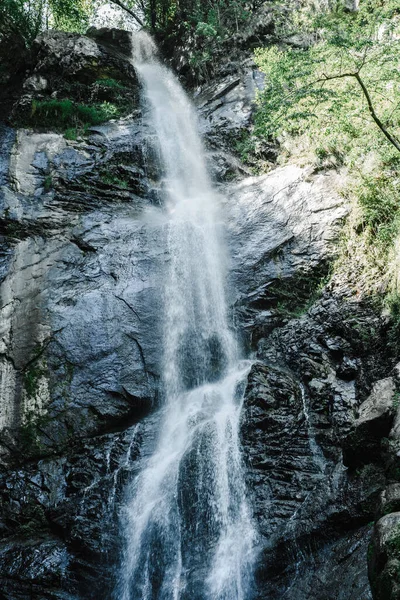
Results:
187 523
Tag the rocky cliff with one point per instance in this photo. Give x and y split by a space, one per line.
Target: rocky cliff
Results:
82 259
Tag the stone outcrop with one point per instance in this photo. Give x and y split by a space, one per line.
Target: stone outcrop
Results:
375 420
283 227
80 315
77 68
384 558
300 409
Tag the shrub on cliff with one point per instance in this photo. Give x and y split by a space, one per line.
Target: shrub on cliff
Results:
63 114
28 19
332 98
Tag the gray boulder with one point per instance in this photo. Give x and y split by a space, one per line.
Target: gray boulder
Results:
384 558
375 420
389 500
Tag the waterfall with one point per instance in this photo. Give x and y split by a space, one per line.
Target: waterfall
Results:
187 523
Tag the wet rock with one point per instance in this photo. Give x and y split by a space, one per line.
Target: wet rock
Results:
298 413
282 226
35 83
374 422
389 500
31 160
34 569
384 558
379 405
71 66
61 537
347 369
76 276
337 571
61 332
226 106
71 374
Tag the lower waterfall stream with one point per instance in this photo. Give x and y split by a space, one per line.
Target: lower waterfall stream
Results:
187 523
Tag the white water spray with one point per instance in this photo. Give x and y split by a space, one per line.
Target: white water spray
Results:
189 532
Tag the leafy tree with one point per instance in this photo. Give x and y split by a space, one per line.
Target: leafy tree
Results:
332 98
18 17
28 18
344 74
70 15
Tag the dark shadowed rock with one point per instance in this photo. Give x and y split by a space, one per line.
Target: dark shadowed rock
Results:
374 423
72 67
298 413
389 500
384 558
85 58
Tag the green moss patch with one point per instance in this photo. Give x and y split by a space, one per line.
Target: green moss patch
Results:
66 114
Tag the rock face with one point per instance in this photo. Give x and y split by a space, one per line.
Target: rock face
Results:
91 70
283 227
374 423
384 560
300 406
82 271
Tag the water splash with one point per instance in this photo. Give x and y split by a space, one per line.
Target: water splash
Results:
189 532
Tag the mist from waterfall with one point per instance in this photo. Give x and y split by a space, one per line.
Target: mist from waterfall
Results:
187 523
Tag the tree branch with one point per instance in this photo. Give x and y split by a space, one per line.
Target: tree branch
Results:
128 10
375 117
356 75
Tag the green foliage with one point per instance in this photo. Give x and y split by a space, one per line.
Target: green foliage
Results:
110 179
22 18
110 83
48 183
68 115
70 15
378 196
206 30
208 19
71 133
314 109
28 19
331 114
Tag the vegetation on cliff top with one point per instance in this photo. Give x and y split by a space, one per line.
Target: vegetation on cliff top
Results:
208 18
332 99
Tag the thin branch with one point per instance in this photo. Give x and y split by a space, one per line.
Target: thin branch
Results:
396 106
375 117
371 109
128 10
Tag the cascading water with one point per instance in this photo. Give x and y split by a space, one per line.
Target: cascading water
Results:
189 532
